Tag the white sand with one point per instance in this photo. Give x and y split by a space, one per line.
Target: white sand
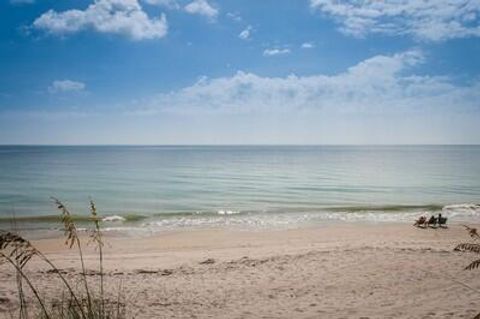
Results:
339 271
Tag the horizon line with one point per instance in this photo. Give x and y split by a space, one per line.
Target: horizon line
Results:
256 144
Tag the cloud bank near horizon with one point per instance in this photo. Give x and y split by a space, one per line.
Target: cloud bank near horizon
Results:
380 84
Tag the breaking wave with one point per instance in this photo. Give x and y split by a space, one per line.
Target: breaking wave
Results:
465 212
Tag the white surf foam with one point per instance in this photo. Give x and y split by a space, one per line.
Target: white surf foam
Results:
113 218
228 212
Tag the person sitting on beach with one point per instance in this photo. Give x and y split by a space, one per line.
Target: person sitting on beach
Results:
420 222
442 221
432 221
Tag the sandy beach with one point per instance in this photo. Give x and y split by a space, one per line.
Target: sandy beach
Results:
334 271
208 159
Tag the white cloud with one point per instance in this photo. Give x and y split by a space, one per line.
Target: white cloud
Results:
275 51
61 86
171 4
125 17
201 7
234 16
433 20
246 33
377 85
307 45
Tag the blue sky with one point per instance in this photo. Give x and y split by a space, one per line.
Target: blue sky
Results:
239 72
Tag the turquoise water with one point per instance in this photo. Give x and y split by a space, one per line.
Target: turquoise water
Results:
186 186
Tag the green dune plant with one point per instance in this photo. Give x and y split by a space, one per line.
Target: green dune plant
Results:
471 247
76 304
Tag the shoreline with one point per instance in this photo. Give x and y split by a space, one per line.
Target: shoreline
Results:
264 219
336 271
49 226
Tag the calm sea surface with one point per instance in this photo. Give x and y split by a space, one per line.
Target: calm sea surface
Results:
162 187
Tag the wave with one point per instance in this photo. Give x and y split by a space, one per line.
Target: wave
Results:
462 207
387 208
262 218
114 218
228 212
76 218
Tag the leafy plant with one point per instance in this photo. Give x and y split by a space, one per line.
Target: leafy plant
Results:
471 247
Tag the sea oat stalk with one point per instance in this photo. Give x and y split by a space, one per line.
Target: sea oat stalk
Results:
73 239
18 251
96 237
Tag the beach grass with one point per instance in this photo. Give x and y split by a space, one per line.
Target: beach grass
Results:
85 303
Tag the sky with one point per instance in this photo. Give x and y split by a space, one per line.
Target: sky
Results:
239 72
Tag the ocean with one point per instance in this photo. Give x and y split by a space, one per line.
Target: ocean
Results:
155 188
